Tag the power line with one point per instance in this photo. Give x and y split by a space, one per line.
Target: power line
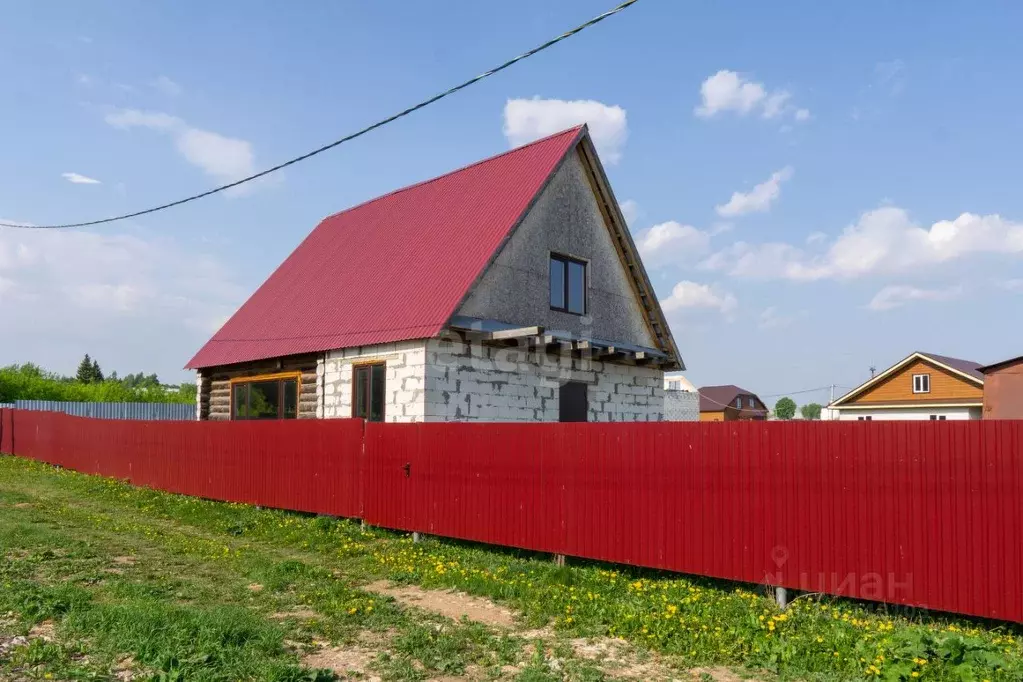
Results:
369 128
805 390
770 395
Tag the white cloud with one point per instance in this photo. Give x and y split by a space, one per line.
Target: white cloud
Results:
526 120
225 159
630 209
167 86
757 200
1012 284
145 302
154 120
671 242
775 103
891 75
731 91
771 318
78 179
884 240
687 294
897 296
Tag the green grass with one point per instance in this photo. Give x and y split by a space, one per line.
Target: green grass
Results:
185 607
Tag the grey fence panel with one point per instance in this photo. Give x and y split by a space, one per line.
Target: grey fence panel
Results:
148 411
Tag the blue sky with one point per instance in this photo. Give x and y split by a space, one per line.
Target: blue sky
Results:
818 188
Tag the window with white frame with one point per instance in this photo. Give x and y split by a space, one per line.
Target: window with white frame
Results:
674 385
751 403
921 383
738 402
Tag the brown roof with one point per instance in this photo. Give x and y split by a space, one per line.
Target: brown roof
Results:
965 366
999 365
717 398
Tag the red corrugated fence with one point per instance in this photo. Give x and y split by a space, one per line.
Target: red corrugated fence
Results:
310 466
920 513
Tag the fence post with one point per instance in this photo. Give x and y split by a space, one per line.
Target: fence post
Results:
781 595
415 537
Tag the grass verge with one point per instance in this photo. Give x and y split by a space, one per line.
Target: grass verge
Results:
210 586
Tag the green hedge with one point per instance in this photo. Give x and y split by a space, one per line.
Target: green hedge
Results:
30 382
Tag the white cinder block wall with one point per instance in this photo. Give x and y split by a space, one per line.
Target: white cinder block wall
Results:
440 380
482 383
404 384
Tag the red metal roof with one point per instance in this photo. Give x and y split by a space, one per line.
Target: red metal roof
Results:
391 269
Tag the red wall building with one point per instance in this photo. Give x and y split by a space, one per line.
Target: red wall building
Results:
1003 389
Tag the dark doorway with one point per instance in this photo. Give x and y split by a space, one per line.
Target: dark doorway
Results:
572 401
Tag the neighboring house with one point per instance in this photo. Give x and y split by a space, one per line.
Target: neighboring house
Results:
681 399
507 290
1003 389
730 403
677 382
921 386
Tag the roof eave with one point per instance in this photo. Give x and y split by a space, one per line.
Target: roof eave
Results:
639 275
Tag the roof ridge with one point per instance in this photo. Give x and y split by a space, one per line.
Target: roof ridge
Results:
947 357
575 129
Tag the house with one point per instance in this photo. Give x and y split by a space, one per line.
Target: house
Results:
1003 389
920 386
507 290
681 399
730 403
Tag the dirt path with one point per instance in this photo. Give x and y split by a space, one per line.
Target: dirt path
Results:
616 658
450 604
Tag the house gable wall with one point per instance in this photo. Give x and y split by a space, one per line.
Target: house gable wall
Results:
946 387
565 219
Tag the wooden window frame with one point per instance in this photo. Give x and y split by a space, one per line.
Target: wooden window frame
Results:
356 366
923 378
280 377
565 260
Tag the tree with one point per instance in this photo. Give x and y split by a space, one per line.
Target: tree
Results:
810 411
85 369
97 373
187 391
785 408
